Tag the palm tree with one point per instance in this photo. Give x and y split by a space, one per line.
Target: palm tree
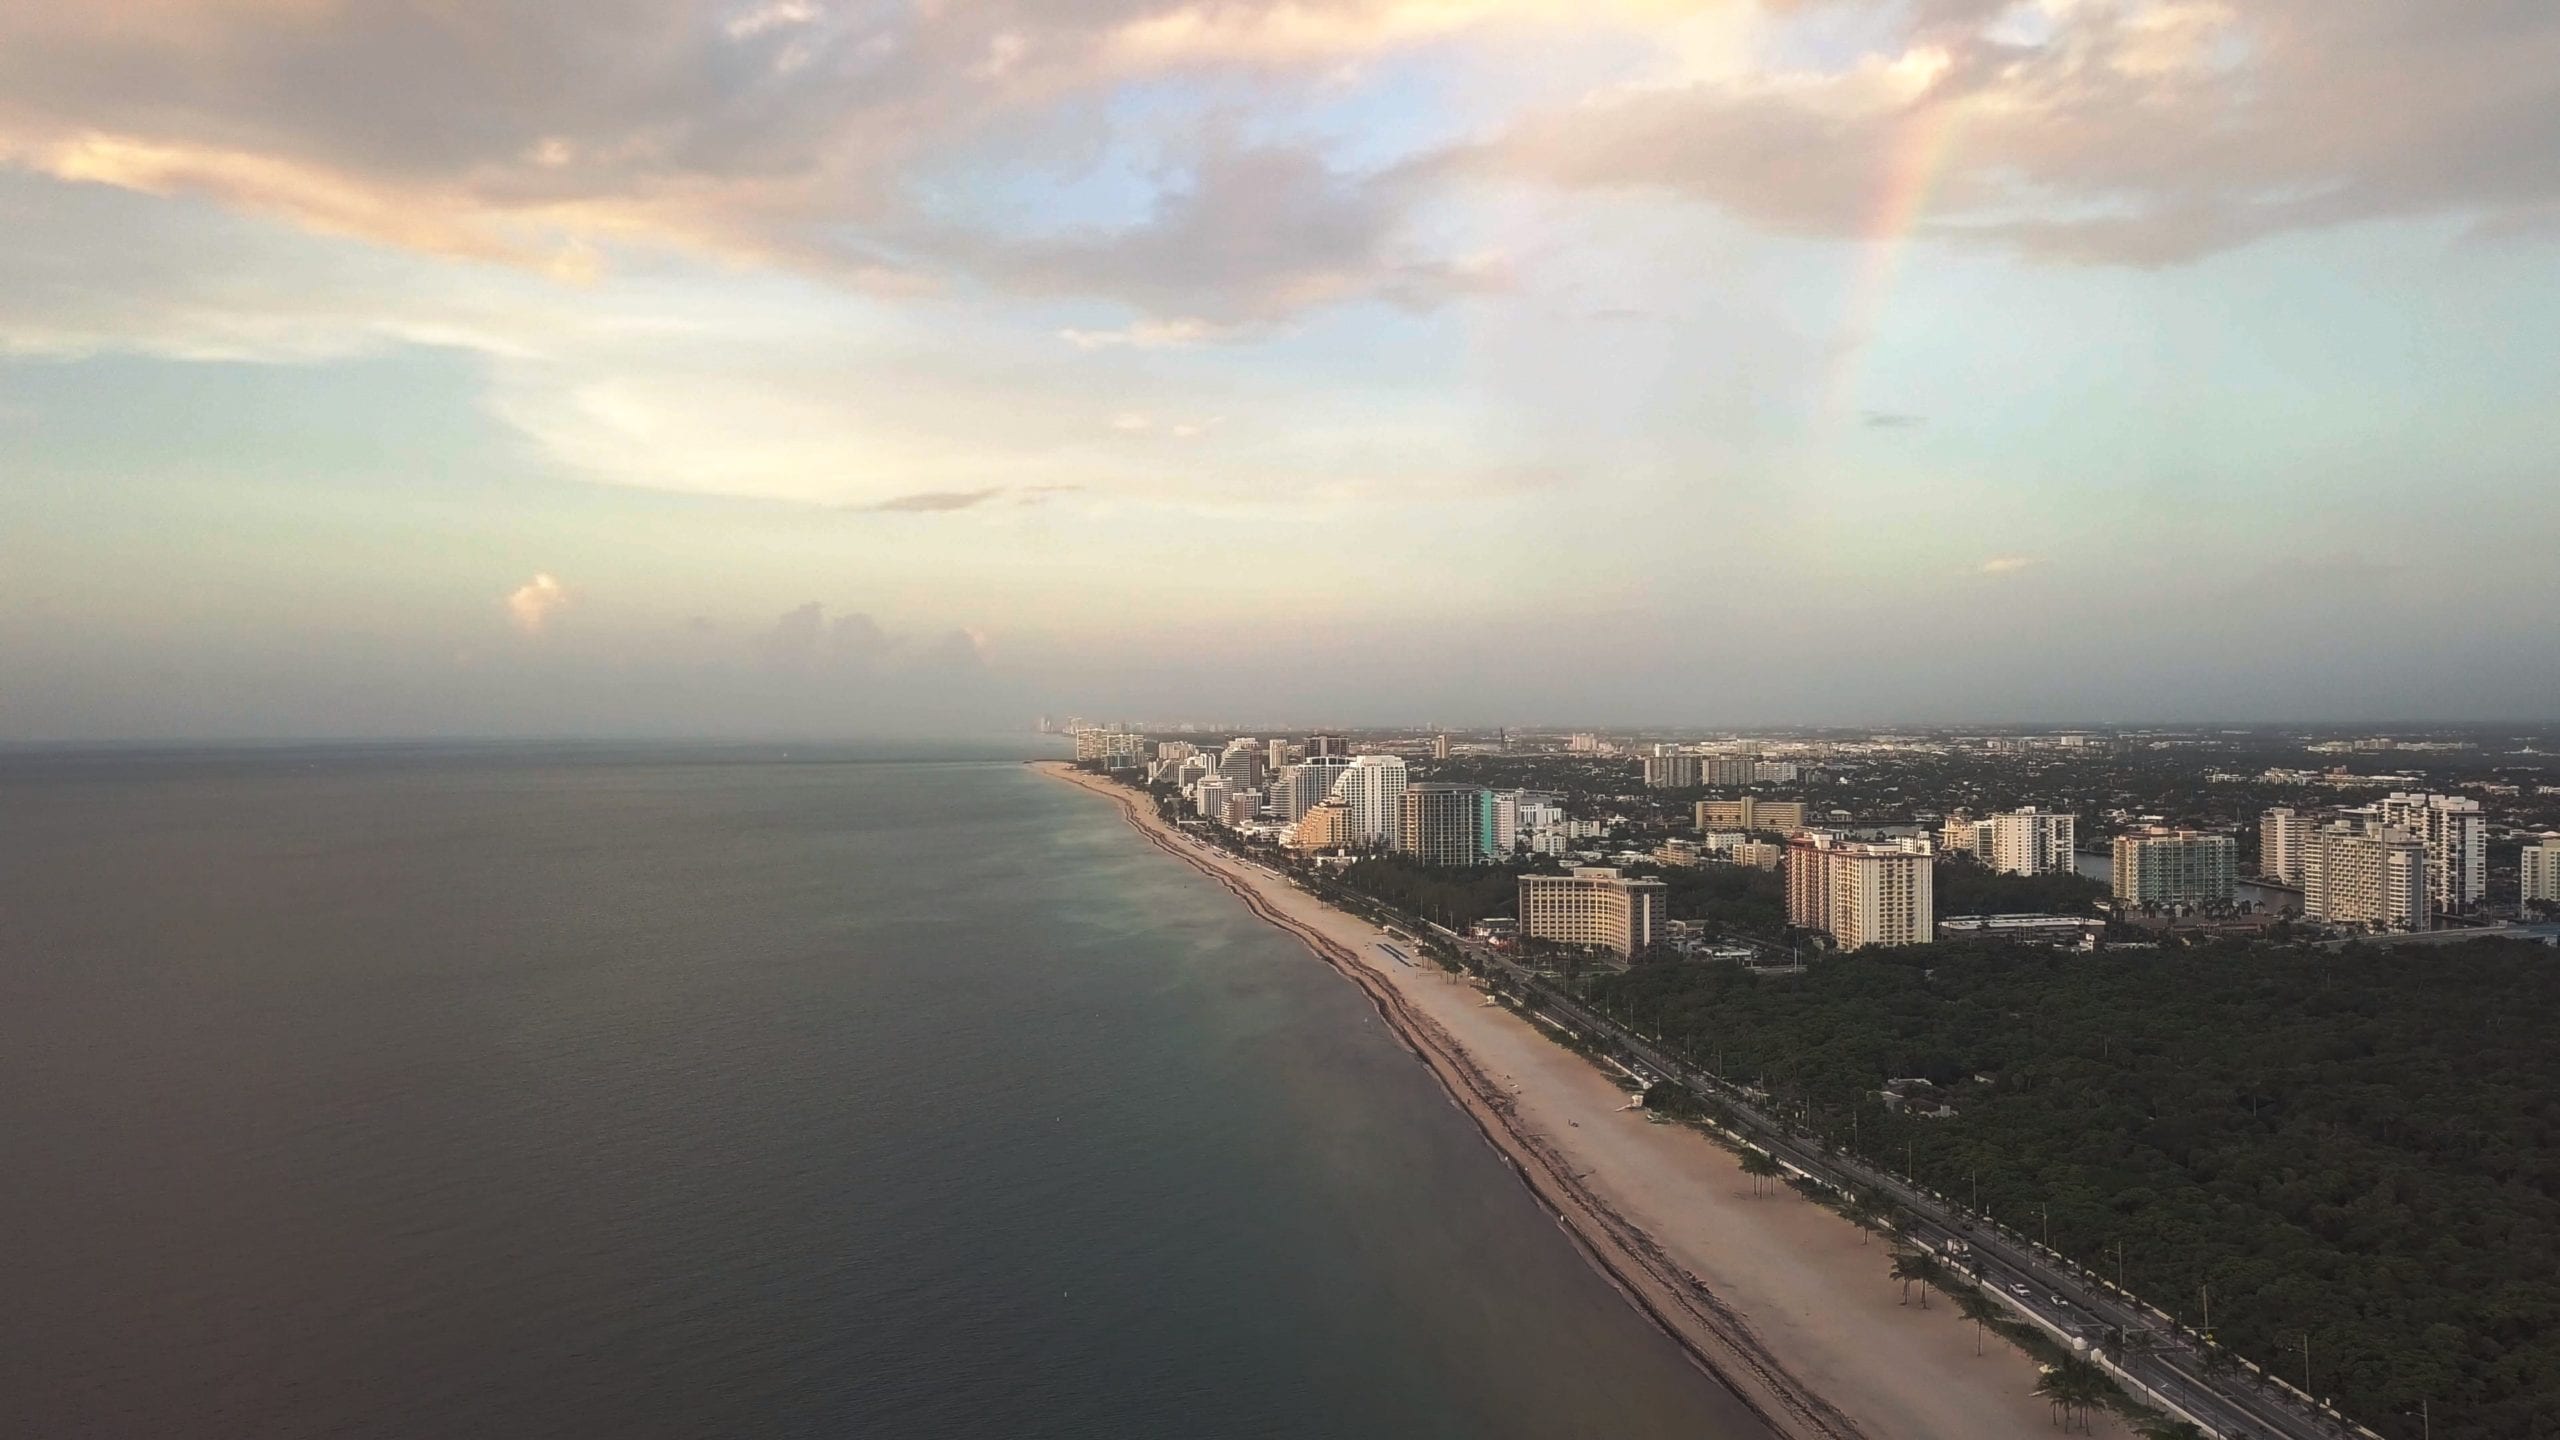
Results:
2073 1384
1915 1267
1761 1166
1928 1270
1861 1211
1982 1310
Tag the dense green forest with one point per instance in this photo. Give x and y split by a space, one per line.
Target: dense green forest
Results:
1964 886
2359 1147
1456 896
1742 897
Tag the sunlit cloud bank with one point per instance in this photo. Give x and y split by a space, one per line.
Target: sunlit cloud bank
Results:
1089 327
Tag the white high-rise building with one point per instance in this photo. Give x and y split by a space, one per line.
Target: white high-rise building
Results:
2175 867
1505 836
2371 875
1278 758
2457 840
1299 788
1209 797
1542 825
2034 842
2538 872
1373 786
2283 835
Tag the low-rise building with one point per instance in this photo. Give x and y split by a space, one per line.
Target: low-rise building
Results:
1749 812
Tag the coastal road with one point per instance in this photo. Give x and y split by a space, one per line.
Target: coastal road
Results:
2060 1294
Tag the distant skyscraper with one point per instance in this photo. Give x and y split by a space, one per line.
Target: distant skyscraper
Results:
1439 747
1859 894
2457 840
1441 824
1277 756
1300 787
2366 874
2283 835
2176 867
1327 745
1242 764
2034 842
1209 797
1671 772
1592 907
2538 871
1502 832
1373 786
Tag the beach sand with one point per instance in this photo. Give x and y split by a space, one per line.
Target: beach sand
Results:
1774 1295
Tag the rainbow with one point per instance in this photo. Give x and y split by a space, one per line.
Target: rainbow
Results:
1917 162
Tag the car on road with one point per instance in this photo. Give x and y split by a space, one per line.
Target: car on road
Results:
2021 1291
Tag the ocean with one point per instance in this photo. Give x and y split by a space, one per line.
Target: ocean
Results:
581 1091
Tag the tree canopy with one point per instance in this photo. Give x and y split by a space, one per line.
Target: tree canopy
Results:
2363 1145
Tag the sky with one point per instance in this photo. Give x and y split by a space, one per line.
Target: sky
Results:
416 368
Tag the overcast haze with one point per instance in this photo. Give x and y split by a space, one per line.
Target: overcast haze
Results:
818 367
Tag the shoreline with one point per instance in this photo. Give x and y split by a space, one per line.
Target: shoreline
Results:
1648 1221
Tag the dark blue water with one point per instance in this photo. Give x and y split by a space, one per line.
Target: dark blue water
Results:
560 1094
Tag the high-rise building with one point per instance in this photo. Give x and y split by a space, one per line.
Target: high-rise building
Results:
1327 745
2034 842
1773 772
1964 835
1861 894
1116 749
2283 835
1209 797
1728 770
1751 813
1542 825
1592 906
2371 874
1241 764
1441 824
1325 826
1297 788
1502 832
2538 871
2457 840
1243 806
1175 750
2176 867
1439 747
1276 755
1373 786
1671 772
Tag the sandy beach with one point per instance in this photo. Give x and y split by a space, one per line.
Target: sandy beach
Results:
1784 1302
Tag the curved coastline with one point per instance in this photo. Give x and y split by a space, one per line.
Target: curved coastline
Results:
1715 1336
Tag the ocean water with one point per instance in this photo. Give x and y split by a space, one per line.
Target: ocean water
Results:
665 1093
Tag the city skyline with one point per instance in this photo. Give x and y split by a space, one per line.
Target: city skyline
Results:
798 369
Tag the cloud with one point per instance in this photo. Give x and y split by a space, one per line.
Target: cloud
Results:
933 502
533 603
804 638
1147 335
2009 564
1893 420
2143 132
